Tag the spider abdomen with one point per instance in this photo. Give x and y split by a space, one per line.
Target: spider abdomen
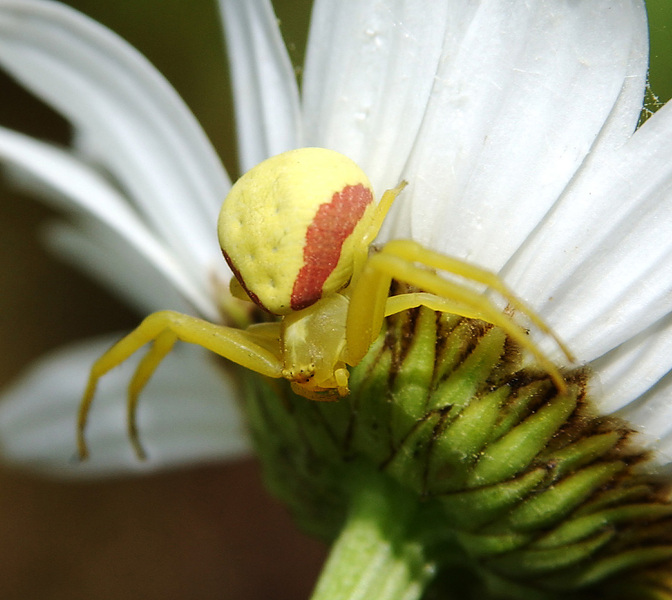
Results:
290 227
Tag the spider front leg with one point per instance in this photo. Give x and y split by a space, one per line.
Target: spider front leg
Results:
411 263
162 329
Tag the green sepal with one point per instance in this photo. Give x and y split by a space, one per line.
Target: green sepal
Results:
520 405
578 528
457 334
407 465
413 375
550 506
521 563
598 570
485 545
471 509
371 427
459 440
469 377
513 452
582 452
621 495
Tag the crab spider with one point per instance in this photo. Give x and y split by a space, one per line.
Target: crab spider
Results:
296 231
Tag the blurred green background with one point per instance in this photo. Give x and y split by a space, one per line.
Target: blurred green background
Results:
206 533
660 33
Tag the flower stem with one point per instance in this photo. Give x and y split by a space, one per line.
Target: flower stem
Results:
374 558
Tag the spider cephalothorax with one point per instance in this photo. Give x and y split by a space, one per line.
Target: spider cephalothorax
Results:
296 231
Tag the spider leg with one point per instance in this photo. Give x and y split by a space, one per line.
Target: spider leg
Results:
412 251
495 317
368 298
401 302
159 349
369 303
382 208
164 329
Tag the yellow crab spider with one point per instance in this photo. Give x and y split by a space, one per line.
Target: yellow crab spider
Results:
296 231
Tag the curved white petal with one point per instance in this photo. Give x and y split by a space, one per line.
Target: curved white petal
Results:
599 269
101 253
651 415
265 91
142 131
629 370
518 103
186 414
369 74
81 190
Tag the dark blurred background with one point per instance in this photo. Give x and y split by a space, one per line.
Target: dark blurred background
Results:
204 533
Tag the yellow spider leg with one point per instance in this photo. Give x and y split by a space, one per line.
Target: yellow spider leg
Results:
382 209
233 344
368 296
370 304
402 302
365 315
412 251
514 331
379 215
162 345
408 272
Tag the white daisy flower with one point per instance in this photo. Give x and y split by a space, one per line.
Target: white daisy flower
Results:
519 148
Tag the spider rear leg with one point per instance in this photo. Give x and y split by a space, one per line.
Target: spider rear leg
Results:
414 252
398 260
164 329
159 349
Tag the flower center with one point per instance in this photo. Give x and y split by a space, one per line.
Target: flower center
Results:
524 487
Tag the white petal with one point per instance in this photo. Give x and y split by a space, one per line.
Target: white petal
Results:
143 132
103 256
186 414
651 415
263 82
599 269
518 103
631 369
79 189
370 69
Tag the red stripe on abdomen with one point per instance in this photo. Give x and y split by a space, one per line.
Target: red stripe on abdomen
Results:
333 223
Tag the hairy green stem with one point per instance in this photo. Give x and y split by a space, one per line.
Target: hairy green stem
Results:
372 558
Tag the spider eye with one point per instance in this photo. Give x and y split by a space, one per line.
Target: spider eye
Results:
290 226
